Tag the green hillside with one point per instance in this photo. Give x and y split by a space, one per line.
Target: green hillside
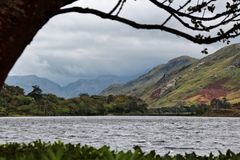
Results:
215 76
186 81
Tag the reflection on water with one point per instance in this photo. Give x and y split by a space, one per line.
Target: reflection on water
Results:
163 134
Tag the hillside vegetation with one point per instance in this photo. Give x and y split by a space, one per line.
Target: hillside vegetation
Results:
189 82
215 76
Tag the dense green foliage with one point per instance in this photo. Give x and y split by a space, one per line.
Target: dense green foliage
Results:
217 107
13 102
59 151
199 109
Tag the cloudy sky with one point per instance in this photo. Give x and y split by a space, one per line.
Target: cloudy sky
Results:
74 46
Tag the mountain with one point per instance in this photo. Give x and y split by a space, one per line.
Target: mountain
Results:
138 86
214 76
90 86
26 82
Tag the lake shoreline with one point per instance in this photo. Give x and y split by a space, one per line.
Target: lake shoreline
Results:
129 115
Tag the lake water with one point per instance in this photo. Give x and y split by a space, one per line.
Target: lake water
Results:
163 134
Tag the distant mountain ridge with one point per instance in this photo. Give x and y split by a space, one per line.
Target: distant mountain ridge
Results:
90 86
136 87
199 81
26 82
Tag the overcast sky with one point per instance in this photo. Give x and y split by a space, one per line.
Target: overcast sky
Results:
74 46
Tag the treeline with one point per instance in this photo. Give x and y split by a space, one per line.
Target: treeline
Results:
13 102
217 107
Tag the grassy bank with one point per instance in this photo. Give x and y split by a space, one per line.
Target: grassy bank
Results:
58 151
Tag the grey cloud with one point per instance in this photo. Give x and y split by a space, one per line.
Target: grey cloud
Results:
72 46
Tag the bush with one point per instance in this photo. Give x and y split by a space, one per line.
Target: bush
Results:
58 151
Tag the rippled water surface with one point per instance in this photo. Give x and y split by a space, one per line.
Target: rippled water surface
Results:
163 134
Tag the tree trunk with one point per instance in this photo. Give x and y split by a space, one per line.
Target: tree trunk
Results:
20 20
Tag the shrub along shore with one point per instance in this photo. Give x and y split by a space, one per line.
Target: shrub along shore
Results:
59 151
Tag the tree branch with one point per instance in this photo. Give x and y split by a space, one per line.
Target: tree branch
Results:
181 7
172 10
196 39
116 7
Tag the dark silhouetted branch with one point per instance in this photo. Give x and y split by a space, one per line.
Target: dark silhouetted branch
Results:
200 39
